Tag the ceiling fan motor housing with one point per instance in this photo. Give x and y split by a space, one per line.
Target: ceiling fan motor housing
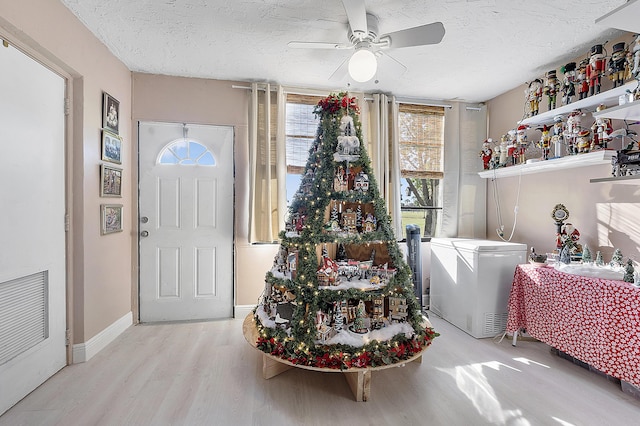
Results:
372 31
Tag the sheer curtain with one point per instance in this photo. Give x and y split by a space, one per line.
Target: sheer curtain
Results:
464 192
268 197
381 121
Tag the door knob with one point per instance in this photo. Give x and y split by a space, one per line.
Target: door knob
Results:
144 234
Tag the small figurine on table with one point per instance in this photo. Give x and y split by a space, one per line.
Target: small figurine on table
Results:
618 64
486 154
595 69
551 87
534 93
569 82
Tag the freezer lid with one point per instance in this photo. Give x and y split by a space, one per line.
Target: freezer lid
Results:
478 245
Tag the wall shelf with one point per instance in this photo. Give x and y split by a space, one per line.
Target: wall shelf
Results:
623 180
630 111
608 98
569 162
624 17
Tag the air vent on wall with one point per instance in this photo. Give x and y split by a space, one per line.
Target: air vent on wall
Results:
23 314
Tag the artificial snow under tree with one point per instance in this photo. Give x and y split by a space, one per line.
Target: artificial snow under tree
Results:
339 295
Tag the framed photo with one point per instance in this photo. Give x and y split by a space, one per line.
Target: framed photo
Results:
111 218
111 147
110 181
110 112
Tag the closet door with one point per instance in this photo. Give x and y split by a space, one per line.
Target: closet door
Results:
32 234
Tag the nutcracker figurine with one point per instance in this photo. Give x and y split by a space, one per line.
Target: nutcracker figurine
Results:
551 87
545 141
534 93
512 147
521 138
618 64
558 136
582 80
569 82
595 68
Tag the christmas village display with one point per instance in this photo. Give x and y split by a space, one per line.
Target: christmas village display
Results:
573 257
569 134
339 294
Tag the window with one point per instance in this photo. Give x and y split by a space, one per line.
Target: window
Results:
186 152
300 132
421 137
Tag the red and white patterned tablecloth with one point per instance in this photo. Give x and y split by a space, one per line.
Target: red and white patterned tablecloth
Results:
594 320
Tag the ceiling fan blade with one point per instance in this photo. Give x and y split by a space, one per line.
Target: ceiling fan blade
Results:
357 15
388 66
417 36
318 45
341 72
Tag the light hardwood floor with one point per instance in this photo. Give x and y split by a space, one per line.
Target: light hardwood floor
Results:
206 374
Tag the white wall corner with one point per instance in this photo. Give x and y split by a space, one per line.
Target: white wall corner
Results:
83 352
241 311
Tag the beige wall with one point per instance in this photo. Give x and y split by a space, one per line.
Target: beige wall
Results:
101 275
603 213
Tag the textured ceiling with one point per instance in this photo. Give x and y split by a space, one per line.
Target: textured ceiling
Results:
490 46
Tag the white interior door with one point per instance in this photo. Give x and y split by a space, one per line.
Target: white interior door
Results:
32 235
186 221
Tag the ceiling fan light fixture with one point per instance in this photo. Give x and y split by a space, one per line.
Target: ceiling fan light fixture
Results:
363 65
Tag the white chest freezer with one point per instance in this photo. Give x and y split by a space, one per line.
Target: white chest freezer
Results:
471 280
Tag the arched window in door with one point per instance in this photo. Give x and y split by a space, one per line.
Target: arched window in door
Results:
186 152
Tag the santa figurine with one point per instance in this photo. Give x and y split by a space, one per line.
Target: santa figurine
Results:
486 154
601 129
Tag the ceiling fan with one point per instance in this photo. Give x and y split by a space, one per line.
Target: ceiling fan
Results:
369 45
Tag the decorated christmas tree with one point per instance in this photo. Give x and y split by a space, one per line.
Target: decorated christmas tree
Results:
340 294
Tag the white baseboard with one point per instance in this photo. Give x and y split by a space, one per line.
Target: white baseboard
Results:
241 311
83 352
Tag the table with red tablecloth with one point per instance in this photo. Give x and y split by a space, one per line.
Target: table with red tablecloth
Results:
594 320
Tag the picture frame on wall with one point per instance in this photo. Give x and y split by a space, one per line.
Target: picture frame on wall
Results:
110 181
110 112
111 218
111 147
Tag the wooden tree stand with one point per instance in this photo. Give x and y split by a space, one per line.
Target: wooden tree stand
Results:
359 379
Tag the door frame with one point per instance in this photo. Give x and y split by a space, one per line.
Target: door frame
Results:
135 211
45 60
